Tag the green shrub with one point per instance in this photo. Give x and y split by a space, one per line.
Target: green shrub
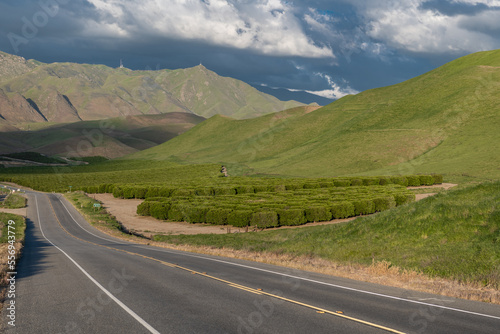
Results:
143 208
356 182
205 191
217 216
404 198
291 217
318 214
426 180
325 183
264 219
166 191
109 188
438 179
384 203
218 191
401 180
244 189
293 186
153 192
92 189
158 210
196 214
239 218
118 192
278 188
413 180
140 192
363 207
182 192
177 212
102 188
128 192
259 188
342 182
342 210
370 181
384 180
312 185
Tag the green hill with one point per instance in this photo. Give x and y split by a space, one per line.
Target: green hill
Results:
31 91
444 121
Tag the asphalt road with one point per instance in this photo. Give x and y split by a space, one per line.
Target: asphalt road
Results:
75 279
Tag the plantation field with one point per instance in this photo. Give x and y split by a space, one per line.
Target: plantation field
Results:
268 202
273 209
199 193
59 179
455 235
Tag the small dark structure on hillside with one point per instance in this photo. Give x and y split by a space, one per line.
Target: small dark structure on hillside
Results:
223 170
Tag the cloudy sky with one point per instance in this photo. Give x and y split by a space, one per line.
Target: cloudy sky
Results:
288 48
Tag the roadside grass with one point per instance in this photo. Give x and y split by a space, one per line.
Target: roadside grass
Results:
98 217
17 243
13 201
453 235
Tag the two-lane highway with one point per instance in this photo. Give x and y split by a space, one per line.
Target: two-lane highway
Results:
74 279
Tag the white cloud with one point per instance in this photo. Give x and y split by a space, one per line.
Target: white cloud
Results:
335 91
406 25
489 3
269 27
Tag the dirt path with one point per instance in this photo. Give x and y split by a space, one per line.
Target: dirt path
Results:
20 212
445 186
125 212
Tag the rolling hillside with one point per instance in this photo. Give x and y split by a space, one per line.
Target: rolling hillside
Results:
444 121
31 91
109 138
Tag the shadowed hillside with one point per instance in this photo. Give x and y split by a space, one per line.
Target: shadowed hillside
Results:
109 138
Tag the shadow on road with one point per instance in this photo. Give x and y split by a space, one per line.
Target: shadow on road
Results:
34 252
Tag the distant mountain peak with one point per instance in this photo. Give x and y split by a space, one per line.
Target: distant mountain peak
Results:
90 92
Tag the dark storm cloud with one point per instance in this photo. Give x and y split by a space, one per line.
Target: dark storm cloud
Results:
329 48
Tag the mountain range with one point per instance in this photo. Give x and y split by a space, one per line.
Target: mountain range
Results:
34 92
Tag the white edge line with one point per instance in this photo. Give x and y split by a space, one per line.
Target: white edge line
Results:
116 300
287 275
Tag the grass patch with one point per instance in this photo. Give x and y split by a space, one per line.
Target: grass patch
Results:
454 235
14 201
98 217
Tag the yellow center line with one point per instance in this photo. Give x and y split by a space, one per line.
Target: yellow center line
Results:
231 284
